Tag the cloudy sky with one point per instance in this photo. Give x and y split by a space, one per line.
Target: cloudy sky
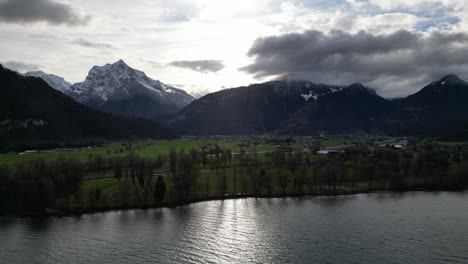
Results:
393 46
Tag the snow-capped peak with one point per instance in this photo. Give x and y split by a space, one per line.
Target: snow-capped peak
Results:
119 70
451 80
315 90
52 80
118 81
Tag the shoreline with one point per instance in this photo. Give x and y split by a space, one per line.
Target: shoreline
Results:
67 213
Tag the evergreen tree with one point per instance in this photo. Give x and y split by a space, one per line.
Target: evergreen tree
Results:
159 189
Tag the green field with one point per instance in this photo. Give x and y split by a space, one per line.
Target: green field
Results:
153 148
267 166
149 149
207 184
453 143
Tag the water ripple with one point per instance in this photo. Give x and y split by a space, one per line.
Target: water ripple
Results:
378 228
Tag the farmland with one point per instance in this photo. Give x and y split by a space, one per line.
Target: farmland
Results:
152 173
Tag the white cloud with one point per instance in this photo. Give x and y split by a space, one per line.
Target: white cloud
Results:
385 23
416 5
21 66
150 34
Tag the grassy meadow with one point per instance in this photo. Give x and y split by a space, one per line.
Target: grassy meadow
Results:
130 174
153 148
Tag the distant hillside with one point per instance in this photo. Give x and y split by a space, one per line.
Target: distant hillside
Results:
285 107
354 108
306 108
432 108
52 80
33 112
259 108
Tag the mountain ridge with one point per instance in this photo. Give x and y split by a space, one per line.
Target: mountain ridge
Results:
52 80
32 112
275 107
121 89
306 108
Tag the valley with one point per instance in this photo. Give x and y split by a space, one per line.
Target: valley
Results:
280 138
273 131
172 172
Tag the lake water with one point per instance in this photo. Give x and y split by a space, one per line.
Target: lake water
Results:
416 227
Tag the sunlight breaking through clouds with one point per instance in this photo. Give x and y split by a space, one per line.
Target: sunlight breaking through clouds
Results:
79 35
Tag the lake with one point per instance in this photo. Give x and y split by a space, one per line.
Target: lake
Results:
413 227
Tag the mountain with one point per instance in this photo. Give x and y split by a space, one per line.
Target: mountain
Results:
306 108
54 81
438 104
31 112
199 93
353 108
258 108
120 89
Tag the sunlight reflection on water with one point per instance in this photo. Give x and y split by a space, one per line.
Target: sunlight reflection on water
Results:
377 228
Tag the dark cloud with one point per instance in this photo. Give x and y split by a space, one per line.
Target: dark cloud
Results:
397 63
30 11
21 66
204 66
90 44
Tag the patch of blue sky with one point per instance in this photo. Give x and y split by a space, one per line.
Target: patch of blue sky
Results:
441 23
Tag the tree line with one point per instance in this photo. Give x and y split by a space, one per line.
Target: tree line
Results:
203 172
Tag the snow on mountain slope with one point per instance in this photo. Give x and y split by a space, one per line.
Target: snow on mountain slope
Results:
307 90
52 80
117 80
120 89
